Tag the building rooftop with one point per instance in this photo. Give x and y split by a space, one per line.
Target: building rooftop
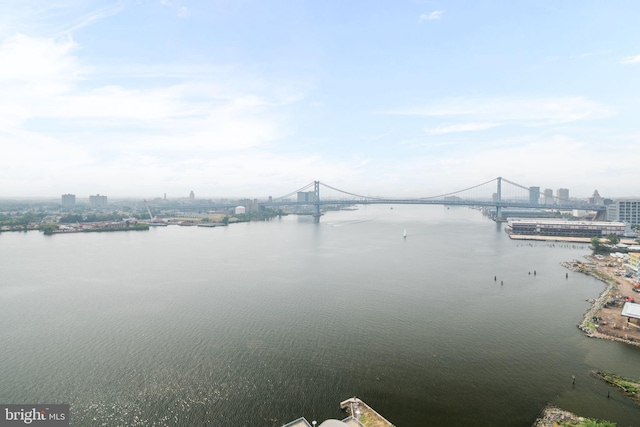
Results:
631 310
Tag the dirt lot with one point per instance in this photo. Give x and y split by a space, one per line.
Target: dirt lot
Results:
604 319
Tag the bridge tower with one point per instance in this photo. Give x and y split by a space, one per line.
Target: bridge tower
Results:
499 200
316 199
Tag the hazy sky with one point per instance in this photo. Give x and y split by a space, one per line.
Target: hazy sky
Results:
260 97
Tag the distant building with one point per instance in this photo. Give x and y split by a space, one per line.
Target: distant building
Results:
548 196
534 195
192 196
563 196
240 210
306 196
541 227
579 213
634 263
98 200
251 206
68 200
596 199
624 210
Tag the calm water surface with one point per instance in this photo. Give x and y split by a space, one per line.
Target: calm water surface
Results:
257 324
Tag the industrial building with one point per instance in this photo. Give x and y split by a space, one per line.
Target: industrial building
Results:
541 227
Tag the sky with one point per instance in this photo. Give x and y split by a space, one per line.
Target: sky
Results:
251 98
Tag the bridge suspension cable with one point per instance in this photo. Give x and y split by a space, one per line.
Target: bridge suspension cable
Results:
351 194
556 198
517 185
459 191
295 192
420 198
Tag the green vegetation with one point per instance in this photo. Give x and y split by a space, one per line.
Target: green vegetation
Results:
599 247
48 228
629 386
91 217
71 218
613 239
588 422
20 220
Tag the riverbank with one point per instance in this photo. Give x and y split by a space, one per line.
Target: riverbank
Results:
552 416
628 386
604 318
48 230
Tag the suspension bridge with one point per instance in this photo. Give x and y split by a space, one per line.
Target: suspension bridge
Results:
498 193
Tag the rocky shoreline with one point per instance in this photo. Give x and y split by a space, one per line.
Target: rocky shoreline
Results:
552 416
587 325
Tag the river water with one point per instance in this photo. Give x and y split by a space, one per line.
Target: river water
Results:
257 324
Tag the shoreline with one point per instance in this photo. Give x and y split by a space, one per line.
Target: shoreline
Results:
551 416
586 325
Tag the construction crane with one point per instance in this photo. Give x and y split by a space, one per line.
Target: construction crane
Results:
152 219
148 210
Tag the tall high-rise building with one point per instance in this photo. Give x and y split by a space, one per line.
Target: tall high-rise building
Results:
68 200
192 195
98 200
548 196
562 196
534 195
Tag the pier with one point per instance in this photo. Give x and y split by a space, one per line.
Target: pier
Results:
360 415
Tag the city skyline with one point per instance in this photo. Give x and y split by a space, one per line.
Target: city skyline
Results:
249 99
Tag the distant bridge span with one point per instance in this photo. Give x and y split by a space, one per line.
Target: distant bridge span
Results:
450 199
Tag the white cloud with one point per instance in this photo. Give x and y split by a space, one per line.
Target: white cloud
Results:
29 59
462 127
53 113
182 12
631 60
435 15
530 111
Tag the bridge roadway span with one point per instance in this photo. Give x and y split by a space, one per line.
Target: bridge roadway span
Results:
343 202
502 204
